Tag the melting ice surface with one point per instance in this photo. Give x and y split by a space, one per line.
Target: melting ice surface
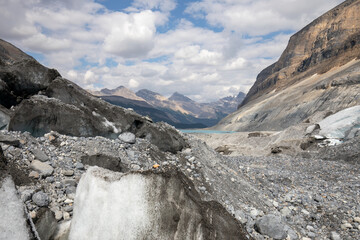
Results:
111 208
12 220
343 124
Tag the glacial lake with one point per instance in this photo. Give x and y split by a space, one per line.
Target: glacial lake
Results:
203 131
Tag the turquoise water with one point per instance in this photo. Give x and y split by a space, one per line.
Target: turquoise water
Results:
203 131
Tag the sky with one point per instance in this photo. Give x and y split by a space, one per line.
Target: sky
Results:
204 49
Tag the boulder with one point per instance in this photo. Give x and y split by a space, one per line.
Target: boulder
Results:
40 155
70 110
162 135
272 226
9 140
41 199
147 205
39 115
127 137
5 115
43 168
104 161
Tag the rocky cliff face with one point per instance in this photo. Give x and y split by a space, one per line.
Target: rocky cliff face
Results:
330 41
317 73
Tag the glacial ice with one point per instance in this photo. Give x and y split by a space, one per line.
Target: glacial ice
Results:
110 206
342 125
12 218
106 122
146 205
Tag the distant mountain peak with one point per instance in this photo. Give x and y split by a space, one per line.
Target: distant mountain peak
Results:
240 96
119 87
180 97
146 91
119 91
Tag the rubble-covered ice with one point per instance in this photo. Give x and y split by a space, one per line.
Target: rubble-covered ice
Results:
12 219
342 125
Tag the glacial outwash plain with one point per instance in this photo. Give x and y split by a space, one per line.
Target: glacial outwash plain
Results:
284 164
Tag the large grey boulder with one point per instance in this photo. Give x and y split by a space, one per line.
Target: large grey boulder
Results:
40 155
147 205
43 168
70 110
127 137
41 199
40 114
9 140
105 161
272 226
5 115
162 135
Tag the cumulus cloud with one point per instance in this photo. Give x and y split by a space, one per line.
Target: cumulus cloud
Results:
259 17
133 83
131 35
99 47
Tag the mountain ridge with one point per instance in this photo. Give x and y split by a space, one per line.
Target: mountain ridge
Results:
177 110
317 73
328 38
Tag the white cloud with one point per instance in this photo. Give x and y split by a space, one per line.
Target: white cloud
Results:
260 17
90 77
133 83
72 74
132 35
238 63
78 37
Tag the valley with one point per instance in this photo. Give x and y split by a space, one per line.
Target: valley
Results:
177 110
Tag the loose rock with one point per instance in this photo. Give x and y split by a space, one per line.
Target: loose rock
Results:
41 199
271 226
127 137
40 155
43 168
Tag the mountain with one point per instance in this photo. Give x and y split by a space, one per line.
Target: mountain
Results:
177 110
119 91
177 97
317 74
180 103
